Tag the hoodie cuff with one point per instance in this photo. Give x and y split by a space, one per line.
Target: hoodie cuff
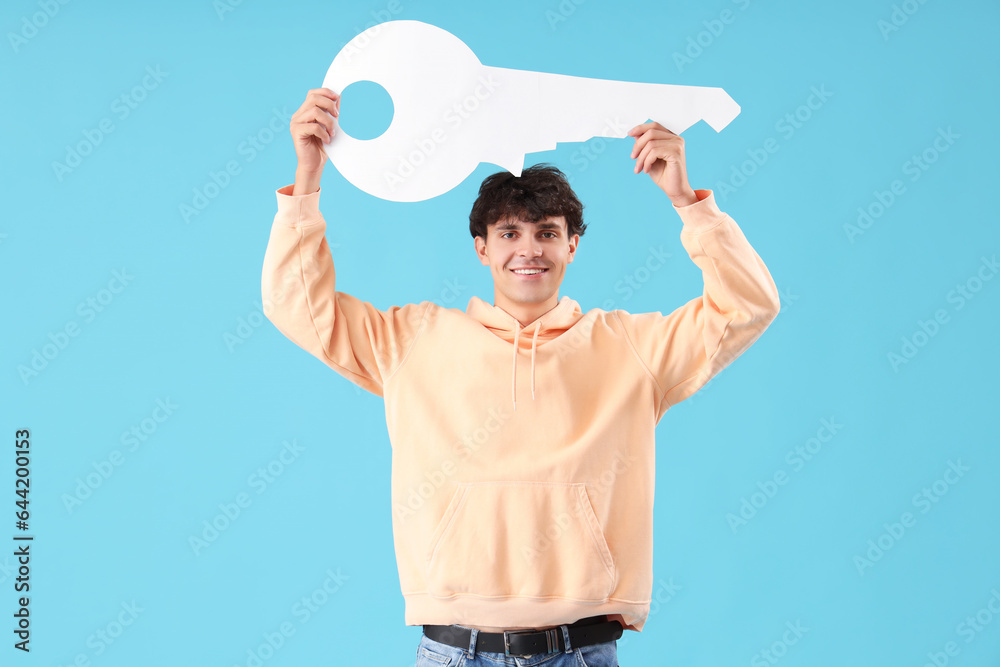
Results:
702 215
297 210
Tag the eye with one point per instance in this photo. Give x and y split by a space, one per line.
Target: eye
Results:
552 233
505 234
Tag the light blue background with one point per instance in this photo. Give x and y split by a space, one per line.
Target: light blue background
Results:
846 306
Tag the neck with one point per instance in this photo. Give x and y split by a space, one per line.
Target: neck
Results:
525 313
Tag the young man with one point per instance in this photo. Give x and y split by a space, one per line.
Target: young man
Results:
522 432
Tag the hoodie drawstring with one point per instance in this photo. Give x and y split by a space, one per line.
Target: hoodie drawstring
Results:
533 339
513 375
501 323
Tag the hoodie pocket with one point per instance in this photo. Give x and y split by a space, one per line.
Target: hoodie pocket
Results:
530 539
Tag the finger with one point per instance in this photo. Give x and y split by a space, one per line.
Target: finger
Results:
640 161
311 113
306 130
333 106
316 98
652 134
325 92
639 129
312 116
651 159
648 125
317 115
325 135
324 120
661 149
640 143
328 120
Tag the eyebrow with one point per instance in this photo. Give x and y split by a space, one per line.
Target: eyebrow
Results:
544 224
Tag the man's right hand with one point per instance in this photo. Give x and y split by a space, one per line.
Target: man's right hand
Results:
311 128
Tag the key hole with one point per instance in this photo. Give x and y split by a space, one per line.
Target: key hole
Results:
366 110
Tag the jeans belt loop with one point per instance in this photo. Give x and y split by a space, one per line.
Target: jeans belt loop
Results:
565 632
472 643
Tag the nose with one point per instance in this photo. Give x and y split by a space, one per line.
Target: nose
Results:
529 247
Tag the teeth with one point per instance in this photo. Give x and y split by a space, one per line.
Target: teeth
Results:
528 272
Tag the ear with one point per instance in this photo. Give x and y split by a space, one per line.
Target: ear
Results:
484 258
573 242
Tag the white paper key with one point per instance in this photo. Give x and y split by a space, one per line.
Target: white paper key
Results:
451 112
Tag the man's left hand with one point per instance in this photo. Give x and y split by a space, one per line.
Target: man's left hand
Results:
660 153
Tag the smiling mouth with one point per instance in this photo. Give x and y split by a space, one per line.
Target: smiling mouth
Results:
528 272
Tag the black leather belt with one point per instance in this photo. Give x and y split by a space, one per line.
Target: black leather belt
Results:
586 631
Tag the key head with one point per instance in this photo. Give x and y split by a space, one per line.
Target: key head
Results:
420 155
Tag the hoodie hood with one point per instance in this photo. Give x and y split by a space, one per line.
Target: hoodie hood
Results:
543 329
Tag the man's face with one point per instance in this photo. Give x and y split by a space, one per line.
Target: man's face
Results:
514 244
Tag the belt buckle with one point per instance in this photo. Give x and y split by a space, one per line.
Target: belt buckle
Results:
551 639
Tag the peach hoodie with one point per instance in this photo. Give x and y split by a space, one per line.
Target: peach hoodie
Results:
522 457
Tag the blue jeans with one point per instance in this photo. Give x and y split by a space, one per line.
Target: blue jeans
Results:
431 653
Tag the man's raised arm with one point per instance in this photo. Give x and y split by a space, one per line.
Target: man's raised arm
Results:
686 348
298 288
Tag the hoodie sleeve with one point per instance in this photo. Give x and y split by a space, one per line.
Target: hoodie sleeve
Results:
362 343
688 347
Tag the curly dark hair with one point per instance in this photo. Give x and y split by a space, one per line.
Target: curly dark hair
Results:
539 192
